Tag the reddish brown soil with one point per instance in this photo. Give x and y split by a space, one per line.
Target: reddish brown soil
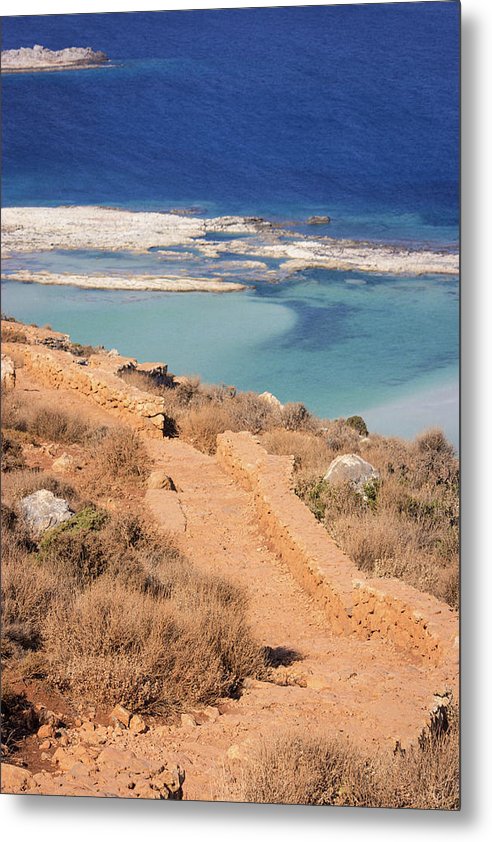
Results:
360 690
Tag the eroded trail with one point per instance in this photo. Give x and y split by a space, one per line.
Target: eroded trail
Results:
362 690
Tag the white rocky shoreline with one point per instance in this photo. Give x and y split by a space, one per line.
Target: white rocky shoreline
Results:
38 58
39 229
148 283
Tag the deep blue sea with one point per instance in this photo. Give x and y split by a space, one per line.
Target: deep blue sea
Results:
351 111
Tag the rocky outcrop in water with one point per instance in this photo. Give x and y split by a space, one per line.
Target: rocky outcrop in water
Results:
319 220
40 58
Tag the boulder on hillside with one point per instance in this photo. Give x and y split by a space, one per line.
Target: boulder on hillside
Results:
351 468
160 480
8 372
272 400
42 510
64 463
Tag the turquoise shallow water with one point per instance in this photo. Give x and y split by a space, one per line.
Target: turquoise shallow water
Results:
341 342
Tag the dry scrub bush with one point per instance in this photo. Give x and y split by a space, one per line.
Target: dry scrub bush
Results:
14 335
28 591
54 425
299 769
200 412
118 454
242 411
12 455
119 615
92 543
310 452
114 644
201 426
43 422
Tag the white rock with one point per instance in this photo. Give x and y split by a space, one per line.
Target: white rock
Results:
8 372
351 468
42 510
272 400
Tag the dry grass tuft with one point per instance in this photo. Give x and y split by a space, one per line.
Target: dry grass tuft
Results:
299 769
117 453
110 611
43 422
113 644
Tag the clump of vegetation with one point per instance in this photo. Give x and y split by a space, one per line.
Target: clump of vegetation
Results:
357 423
118 454
85 350
19 718
300 769
107 609
43 422
198 412
151 651
74 548
12 455
15 335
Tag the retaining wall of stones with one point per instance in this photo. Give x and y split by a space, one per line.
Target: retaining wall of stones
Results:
98 380
422 627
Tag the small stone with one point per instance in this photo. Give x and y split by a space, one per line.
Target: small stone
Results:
64 463
160 480
143 789
234 752
120 716
116 758
45 731
137 725
14 779
188 721
62 758
45 745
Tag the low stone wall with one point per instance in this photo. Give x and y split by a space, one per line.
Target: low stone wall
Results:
415 623
96 378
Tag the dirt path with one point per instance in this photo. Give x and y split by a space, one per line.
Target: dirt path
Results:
364 691
356 689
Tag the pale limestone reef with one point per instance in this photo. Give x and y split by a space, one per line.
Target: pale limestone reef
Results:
135 282
28 59
249 241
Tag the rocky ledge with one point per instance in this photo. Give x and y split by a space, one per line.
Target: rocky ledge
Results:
40 58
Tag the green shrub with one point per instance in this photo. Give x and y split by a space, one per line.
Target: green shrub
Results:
75 548
357 423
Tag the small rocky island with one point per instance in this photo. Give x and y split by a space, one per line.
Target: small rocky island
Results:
29 59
